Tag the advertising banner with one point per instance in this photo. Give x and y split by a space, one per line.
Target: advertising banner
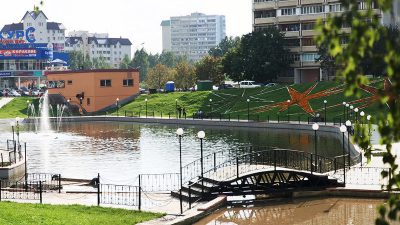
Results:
5 74
25 53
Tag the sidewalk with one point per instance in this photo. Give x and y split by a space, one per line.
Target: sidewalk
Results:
4 101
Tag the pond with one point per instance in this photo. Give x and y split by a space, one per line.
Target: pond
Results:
121 151
330 211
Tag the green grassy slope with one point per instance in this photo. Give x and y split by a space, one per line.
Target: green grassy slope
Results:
233 103
14 213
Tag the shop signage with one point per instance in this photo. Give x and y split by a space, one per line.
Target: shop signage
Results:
15 37
5 74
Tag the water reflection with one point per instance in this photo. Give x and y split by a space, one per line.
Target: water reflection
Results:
332 211
121 151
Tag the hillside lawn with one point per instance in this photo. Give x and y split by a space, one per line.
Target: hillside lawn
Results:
17 213
229 103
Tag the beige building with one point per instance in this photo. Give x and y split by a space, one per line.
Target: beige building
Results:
297 18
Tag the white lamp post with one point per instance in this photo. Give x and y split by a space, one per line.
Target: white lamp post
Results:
315 127
179 132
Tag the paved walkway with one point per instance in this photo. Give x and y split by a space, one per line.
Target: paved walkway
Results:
5 101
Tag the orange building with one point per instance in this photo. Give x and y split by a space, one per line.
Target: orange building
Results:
94 90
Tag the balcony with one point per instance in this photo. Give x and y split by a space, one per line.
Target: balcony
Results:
267 20
308 2
294 48
292 33
264 5
310 64
335 14
293 18
312 17
309 48
295 64
307 33
346 30
287 3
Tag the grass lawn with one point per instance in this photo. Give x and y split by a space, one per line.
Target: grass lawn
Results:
231 103
16 108
15 213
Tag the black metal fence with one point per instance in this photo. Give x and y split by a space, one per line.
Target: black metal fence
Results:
14 190
119 195
49 181
159 182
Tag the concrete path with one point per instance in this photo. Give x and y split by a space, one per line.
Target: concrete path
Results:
5 101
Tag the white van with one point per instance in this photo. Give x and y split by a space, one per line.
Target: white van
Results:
248 84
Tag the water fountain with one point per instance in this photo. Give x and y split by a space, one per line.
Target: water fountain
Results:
41 117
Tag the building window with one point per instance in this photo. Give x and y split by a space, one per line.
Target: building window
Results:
308 42
69 82
312 9
309 57
88 101
289 27
307 26
127 83
335 8
288 11
105 83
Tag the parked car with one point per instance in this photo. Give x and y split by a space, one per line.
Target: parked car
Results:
248 84
271 84
225 86
14 93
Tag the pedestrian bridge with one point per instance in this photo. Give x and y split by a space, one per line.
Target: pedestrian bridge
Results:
260 171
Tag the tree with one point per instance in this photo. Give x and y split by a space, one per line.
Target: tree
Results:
167 59
185 75
141 61
158 76
366 32
210 68
76 60
153 60
261 56
224 46
125 62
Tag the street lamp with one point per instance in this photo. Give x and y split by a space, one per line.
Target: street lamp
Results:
347 110
201 135
343 130
369 124
117 104
288 115
146 106
248 110
362 114
356 114
348 126
315 127
12 124
27 108
325 101
176 108
344 111
17 119
351 111
179 132
210 105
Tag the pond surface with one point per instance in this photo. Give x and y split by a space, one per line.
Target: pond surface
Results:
121 151
331 211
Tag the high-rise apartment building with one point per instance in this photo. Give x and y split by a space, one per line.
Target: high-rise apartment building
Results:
97 45
297 19
193 35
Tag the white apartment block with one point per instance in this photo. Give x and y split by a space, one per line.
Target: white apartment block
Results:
297 19
193 35
113 50
45 32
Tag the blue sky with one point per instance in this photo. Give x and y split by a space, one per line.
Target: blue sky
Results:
135 19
